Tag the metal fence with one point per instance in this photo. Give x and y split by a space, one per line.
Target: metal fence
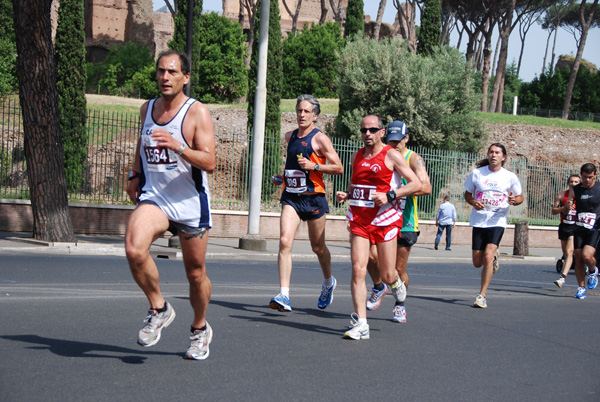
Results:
111 149
579 116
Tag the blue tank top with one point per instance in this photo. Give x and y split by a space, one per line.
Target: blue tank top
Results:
299 181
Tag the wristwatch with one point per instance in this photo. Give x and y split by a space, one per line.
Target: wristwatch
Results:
181 149
317 167
391 196
133 175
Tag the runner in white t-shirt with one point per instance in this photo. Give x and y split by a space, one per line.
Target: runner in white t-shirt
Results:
490 189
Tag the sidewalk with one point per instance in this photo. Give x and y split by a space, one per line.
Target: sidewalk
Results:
227 248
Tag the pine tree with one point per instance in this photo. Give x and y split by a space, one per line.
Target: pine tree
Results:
431 27
41 124
272 159
69 53
180 39
355 24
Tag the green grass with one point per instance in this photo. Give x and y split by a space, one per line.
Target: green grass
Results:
328 106
509 119
331 106
101 107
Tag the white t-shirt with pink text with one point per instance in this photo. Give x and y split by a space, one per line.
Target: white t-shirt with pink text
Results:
493 189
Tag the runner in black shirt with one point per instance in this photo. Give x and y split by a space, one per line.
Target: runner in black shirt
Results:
586 196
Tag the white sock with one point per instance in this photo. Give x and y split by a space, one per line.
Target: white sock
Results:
328 282
362 321
285 292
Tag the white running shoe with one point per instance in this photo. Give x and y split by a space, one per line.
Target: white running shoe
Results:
559 282
399 291
496 262
357 331
376 296
149 335
399 313
199 341
480 302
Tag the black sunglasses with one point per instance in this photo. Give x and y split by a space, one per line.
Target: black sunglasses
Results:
372 130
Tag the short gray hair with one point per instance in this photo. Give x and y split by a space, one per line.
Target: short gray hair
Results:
310 99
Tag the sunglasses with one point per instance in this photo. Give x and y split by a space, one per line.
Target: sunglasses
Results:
372 130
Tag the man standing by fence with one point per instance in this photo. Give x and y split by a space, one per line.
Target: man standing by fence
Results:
490 189
586 198
445 219
303 199
169 185
397 137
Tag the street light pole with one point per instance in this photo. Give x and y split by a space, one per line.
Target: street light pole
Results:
253 240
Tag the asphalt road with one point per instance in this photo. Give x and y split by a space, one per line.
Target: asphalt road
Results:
69 325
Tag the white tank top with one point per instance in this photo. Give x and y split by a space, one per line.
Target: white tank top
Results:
179 189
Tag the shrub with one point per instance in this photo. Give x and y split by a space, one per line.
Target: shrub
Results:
432 94
144 82
117 70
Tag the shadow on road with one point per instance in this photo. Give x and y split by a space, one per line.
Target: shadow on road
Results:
67 348
269 316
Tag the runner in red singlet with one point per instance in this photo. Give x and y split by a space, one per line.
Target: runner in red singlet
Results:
375 196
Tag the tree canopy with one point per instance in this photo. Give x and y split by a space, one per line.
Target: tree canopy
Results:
221 52
310 61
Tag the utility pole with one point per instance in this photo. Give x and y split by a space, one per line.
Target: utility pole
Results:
188 40
253 240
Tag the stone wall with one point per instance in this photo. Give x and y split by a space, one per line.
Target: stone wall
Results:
553 144
111 22
310 13
94 219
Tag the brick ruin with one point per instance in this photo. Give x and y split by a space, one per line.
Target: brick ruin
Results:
111 22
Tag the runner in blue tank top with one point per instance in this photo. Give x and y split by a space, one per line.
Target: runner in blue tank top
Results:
310 154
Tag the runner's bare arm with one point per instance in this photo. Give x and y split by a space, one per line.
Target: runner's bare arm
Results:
569 203
418 166
515 200
414 185
323 146
199 133
395 161
202 153
133 186
557 206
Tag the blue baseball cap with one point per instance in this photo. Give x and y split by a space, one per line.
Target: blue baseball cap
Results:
396 131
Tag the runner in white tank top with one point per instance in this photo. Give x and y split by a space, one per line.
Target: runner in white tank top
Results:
179 189
175 150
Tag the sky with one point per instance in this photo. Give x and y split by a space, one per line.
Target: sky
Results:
535 42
